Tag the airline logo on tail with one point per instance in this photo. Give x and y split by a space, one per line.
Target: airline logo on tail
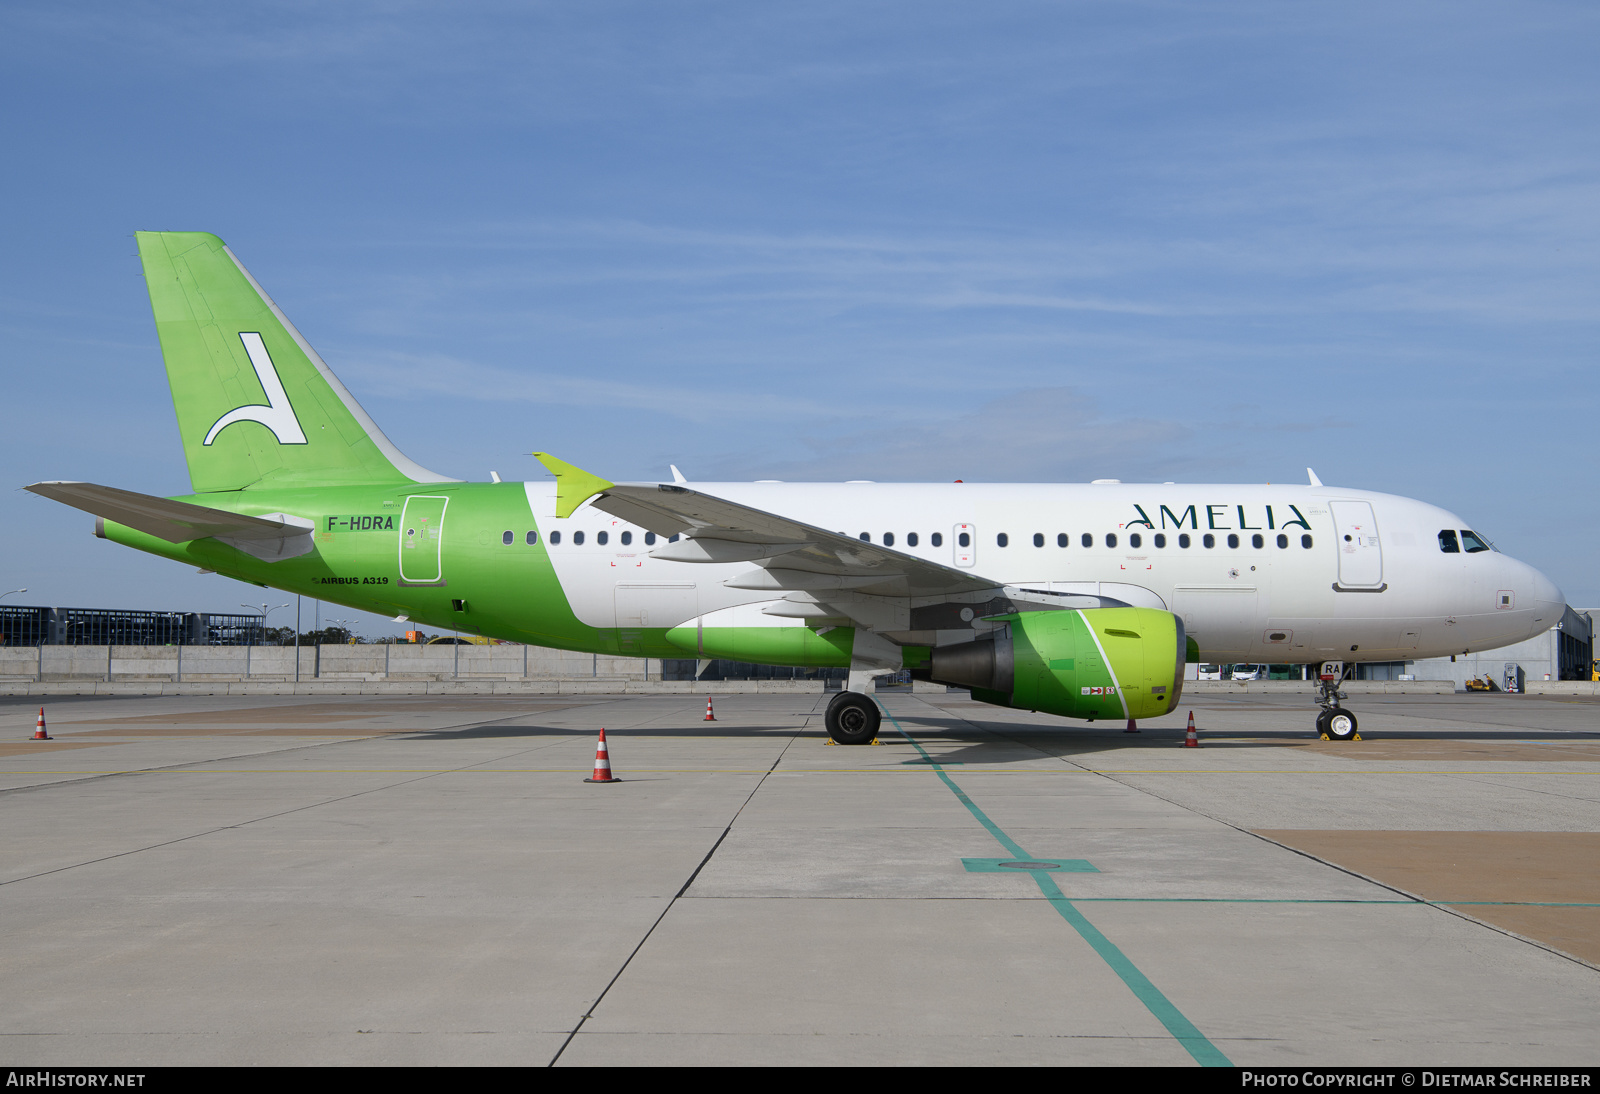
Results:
277 415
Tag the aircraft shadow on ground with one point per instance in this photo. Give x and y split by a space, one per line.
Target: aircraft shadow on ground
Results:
999 743
729 730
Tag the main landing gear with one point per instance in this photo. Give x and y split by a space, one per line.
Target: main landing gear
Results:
852 719
1334 723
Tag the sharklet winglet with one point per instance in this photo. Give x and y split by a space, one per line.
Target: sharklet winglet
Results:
574 485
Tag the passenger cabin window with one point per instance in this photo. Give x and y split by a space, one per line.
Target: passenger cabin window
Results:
674 537
577 539
1208 540
508 537
533 537
1111 539
1135 540
865 537
1305 541
601 537
627 538
937 539
1184 540
1159 539
964 540
1283 540
555 538
888 539
1088 540
649 539
1447 542
1472 543
1233 541
1002 540
1257 542
911 539
1038 539
1062 539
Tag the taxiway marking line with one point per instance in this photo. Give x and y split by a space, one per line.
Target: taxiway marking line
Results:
1184 1031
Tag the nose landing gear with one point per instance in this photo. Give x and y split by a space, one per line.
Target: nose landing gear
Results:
1334 723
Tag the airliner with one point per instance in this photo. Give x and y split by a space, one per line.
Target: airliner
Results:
1078 600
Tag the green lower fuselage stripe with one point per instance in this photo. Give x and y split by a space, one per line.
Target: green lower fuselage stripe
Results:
1184 1031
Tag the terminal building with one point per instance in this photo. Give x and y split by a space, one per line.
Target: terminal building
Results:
34 626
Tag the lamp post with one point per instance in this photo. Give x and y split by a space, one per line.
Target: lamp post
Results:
265 611
2 596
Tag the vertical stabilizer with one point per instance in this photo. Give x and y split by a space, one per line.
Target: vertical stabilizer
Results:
256 405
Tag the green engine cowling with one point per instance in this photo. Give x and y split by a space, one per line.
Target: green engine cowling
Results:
1090 663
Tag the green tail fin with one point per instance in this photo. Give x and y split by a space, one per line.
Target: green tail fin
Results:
256 405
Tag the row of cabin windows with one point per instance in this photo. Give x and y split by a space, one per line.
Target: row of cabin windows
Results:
936 539
602 538
1135 540
963 539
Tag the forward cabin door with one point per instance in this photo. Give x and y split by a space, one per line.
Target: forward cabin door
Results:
422 540
1360 553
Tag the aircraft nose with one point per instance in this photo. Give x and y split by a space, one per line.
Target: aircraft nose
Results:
1549 604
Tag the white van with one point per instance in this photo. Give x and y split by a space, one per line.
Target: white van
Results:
1208 672
1249 672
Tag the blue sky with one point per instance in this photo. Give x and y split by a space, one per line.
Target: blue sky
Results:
1003 242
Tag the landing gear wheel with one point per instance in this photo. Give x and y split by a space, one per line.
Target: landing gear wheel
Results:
1340 724
852 719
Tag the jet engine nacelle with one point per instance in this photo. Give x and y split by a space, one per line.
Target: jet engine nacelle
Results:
1093 663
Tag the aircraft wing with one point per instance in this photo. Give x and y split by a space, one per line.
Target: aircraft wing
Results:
812 573
271 537
792 556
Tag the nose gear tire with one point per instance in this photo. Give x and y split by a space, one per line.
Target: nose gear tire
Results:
1340 724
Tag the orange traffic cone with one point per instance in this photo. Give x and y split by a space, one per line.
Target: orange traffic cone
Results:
1133 727
709 716
602 763
1190 740
39 733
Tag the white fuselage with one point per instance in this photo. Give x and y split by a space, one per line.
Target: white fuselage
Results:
1339 574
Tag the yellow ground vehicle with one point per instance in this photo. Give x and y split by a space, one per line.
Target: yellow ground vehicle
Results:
1485 684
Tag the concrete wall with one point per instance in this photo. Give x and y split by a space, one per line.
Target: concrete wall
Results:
276 664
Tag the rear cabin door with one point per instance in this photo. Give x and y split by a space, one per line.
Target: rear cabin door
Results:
1360 553
422 540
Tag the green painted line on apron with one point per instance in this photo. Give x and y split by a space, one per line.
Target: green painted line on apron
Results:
1183 1031
1229 900
994 829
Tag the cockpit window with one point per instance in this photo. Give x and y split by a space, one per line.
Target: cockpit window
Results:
1472 543
1447 542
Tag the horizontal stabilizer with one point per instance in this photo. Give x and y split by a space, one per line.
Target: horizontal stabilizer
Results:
271 537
